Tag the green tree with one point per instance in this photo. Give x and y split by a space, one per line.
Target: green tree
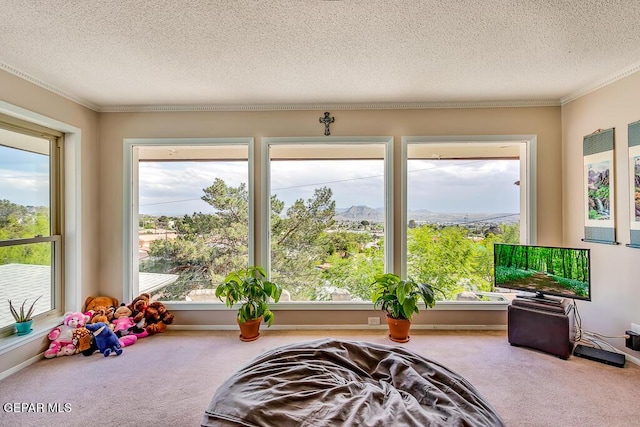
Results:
509 233
443 258
208 246
354 271
295 249
20 222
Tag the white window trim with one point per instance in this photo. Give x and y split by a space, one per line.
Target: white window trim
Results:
130 197
528 200
72 287
267 142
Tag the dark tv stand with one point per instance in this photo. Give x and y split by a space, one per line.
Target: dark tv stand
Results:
542 326
542 298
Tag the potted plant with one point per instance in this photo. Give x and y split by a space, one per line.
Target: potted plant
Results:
249 287
23 318
399 299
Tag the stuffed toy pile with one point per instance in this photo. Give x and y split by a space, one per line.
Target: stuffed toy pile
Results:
107 326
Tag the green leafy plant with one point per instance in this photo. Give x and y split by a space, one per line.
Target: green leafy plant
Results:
399 298
250 287
22 316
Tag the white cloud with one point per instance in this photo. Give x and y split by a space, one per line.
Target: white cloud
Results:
464 185
177 187
355 182
24 188
444 186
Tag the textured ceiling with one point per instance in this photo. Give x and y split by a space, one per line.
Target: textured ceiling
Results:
111 54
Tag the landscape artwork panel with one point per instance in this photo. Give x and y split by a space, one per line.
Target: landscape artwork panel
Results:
636 181
634 193
599 190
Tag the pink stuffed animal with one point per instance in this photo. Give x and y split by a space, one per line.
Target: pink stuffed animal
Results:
124 325
62 336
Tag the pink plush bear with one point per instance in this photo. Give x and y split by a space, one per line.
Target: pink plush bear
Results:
62 336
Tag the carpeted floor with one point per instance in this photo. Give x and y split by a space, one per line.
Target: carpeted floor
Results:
168 380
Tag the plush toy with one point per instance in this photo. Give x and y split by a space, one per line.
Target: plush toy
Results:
91 303
62 336
82 339
99 315
92 346
123 324
105 339
138 307
157 318
128 340
110 311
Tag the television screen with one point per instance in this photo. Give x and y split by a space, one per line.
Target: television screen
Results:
543 270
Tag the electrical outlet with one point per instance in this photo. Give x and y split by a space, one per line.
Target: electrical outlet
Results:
635 328
373 321
633 342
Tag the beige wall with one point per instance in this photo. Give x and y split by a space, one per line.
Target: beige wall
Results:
114 127
615 287
20 93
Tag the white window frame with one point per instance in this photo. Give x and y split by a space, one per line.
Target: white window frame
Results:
265 209
130 196
71 199
528 201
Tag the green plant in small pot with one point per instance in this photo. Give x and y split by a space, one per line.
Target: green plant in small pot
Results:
250 288
399 299
23 318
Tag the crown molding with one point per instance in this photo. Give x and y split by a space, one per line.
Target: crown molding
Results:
47 86
328 106
612 78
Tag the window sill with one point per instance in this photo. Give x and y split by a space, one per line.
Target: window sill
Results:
40 329
340 306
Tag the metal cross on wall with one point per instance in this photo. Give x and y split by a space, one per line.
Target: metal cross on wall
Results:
327 121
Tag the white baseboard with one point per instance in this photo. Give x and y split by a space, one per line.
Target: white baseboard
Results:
341 327
631 358
21 366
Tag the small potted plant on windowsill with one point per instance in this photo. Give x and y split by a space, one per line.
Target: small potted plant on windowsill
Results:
249 287
23 318
399 299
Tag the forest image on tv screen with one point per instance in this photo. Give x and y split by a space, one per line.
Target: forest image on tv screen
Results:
554 271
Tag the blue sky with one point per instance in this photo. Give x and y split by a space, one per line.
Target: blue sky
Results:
175 188
24 177
456 186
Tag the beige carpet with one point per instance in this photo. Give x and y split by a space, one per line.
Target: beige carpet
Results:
168 379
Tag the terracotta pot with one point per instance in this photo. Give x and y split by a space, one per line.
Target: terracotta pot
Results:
398 329
250 330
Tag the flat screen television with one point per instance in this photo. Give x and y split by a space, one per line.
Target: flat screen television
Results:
543 270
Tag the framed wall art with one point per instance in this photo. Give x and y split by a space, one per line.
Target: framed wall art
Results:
599 208
634 184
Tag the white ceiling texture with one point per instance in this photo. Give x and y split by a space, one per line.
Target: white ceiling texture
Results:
121 55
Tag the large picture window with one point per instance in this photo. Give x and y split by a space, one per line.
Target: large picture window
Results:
461 198
30 220
328 217
326 214
192 222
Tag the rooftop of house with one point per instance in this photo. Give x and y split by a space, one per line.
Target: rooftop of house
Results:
20 282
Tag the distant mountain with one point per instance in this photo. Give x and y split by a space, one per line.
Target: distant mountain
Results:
359 213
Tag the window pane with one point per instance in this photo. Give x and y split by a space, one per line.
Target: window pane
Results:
25 274
193 226
457 209
327 226
24 186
